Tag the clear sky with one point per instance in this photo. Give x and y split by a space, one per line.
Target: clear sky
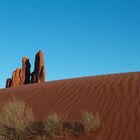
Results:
79 37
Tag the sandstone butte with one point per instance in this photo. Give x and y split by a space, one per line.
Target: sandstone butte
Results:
23 75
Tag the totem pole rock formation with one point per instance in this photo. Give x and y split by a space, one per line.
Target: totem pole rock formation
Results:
25 70
39 73
16 77
8 82
23 75
20 76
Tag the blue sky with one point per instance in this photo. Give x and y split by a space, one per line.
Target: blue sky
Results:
79 37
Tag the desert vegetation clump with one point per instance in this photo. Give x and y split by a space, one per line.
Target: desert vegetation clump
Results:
16 120
91 122
17 123
53 124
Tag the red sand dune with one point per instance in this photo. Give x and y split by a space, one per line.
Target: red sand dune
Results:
115 97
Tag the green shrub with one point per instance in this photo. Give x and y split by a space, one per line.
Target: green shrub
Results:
53 124
15 120
91 122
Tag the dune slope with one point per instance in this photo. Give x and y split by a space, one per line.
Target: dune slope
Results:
115 97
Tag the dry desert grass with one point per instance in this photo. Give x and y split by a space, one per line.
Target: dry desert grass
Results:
17 123
16 119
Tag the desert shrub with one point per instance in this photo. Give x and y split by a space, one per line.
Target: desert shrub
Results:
68 126
91 122
71 125
15 120
40 138
53 124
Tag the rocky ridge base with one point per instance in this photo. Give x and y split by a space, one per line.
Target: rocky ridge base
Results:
23 75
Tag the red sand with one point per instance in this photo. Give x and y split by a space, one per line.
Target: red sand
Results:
115 97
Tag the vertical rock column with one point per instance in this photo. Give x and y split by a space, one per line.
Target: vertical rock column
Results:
8 82
25 71
20 76
16 77
39 73
23 75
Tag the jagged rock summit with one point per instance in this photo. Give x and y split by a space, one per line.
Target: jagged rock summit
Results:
23 75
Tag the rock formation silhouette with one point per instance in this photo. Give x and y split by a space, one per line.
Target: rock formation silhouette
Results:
22 76
8 82
25 70
17 77
38 75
